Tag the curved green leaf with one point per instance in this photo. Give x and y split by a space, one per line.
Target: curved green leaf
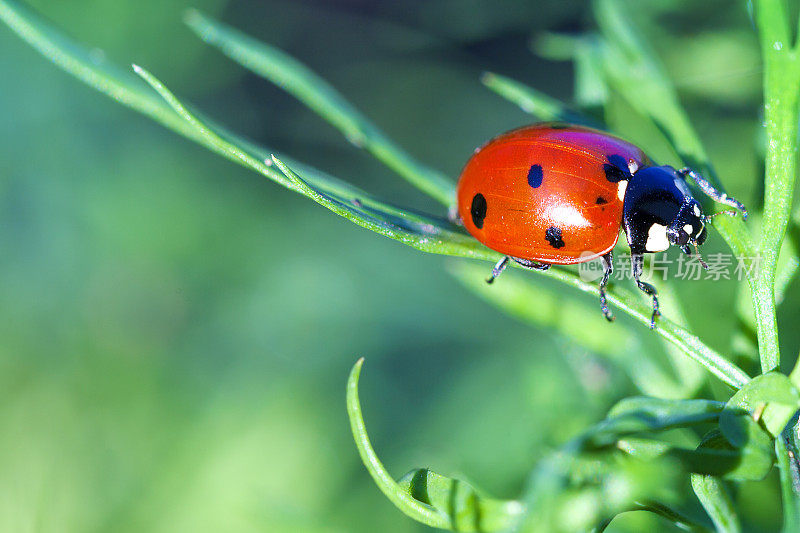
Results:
425 496
770 395
297 79
670 515
668 412
631 421
750 461
641 415
402 499
717 503
725 461
465 507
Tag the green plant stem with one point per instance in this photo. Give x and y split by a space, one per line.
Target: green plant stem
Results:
781 115
791 498
717 503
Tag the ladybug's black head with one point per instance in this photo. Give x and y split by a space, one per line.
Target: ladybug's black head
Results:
659 211
688 226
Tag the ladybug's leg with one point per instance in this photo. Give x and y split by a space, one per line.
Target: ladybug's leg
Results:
498 269
503 263
532 265
636 269
608 268
712 191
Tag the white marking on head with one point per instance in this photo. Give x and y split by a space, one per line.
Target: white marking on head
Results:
688 228
633 166
697 210
622 186
657 239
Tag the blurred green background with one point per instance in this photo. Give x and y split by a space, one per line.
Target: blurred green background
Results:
177 331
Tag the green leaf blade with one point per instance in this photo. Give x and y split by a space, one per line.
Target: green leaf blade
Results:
534 102
297 79
400 498
771 395
425 496
667 412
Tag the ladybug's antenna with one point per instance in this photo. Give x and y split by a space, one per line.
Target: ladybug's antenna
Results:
699 257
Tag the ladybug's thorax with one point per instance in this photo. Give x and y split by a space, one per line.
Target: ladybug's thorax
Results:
659 211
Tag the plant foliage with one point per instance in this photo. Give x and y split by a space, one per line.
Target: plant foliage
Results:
626 462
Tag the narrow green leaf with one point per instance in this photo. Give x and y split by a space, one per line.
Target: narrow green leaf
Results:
424 237
610 431
119 84
634 72
667 412
591 88
672 516
297 79
789 469
534 102
466 509
425 496
717 503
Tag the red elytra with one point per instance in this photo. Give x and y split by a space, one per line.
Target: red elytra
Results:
548 192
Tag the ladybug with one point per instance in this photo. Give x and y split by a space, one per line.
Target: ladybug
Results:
557 194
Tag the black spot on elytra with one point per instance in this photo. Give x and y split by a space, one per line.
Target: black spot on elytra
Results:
478 210
600 200
553 236
535 176
616 169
